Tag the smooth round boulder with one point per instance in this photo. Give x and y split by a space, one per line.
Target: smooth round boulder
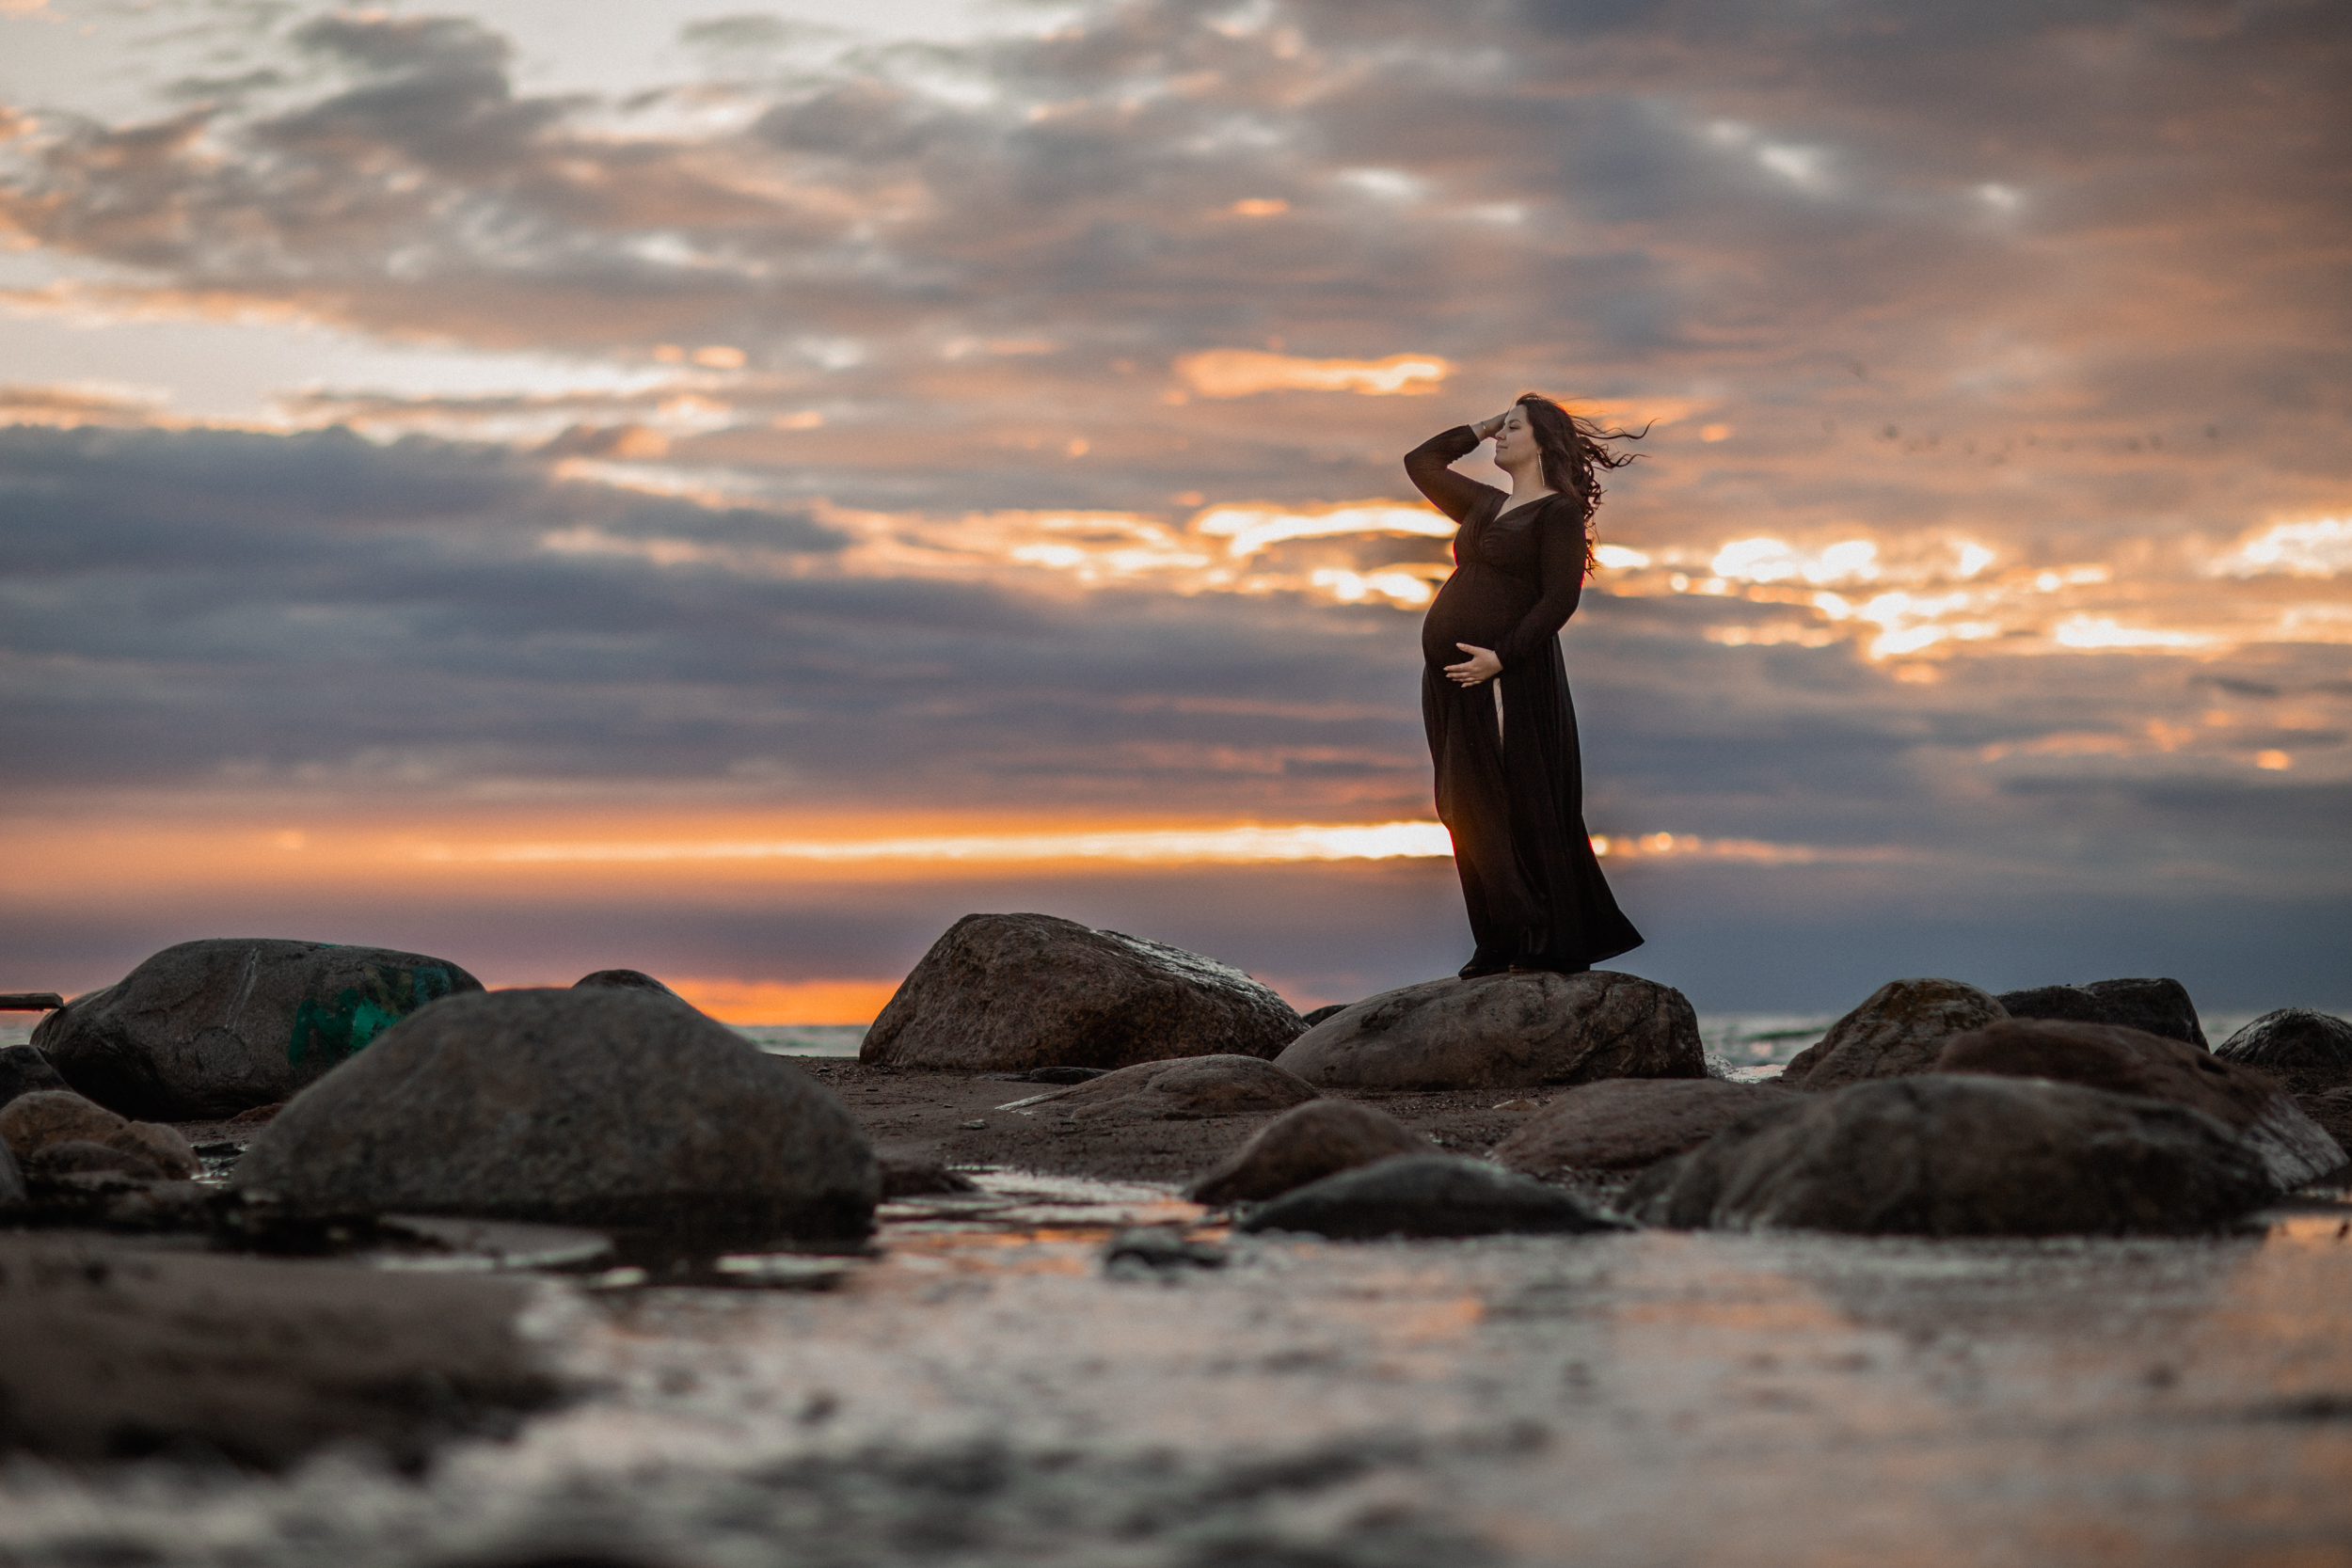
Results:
2292 1147
1427 1196
1898 1029
2160 1007
2308 1050
209 1028
1305 1144
599 1107
1504 1032
1186 1089
25 1070
1626 1123
31 1123
79 1157
622 979
1947 1154
1009 993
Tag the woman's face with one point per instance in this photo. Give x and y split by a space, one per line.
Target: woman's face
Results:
1515 443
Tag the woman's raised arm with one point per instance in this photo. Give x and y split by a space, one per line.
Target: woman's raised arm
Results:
1431 469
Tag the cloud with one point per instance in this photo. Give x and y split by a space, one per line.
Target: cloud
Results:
1237 373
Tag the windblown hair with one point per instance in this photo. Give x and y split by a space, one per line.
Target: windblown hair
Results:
1575 451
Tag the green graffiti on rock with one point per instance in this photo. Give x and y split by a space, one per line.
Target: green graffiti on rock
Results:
328 1033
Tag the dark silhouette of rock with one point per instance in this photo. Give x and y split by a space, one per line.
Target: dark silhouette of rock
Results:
1897 1030
208 1028
1626 1123
1950 1154
32 1122
1008 993
2308 1052
1185 1089
11 1182
2159 1006
1425 1194
914 1175
594 1107
279 1359
78 1156
1504 1032
1330 1009
2292 1147
1305 1144
25 1070
623 980
1147 1249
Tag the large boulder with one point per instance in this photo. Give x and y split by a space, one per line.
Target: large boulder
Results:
1947 1154
1305 1144
1898 1029
1186 1089
2292 1147
1504 1032
1626 1123
601 1107
2159 1006
1426 1195
1008 993
2308 1052
25 1070
210 1028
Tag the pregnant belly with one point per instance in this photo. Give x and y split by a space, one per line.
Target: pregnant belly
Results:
1477 606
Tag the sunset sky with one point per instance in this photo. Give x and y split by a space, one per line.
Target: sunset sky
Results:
558 484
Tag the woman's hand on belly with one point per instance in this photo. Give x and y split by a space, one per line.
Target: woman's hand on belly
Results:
1481 666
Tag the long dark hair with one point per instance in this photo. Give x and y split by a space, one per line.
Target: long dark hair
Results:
1575 449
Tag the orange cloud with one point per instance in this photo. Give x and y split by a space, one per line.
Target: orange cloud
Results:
1237 373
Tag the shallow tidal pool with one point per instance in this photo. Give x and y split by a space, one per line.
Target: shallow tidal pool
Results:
984 1392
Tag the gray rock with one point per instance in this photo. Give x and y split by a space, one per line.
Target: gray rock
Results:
32 1122
916 1174
11 1182
1897 1030
2308 1052
1147 1249
572 1107
25 1070
1626 1123
2292 1147
1330 1009
2158 1007
1185 1089
79 1157
1938 1154
210 1028
623 980
1008 993
1504 1032
1305 1144
1426 1195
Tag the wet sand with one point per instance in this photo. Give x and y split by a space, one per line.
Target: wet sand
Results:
981 1391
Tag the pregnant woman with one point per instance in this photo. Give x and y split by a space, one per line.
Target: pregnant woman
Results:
1494 694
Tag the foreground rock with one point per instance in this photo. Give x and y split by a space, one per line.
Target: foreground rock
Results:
209 1028
12 1196
1009 993
25 1070
145 1352
2308 1051
30 1123
2292 1147
1185 1090
1626 1123
1937 1155
1897 1030
1426 1195
1504 1032
1317 1139
608 1108
2158 1007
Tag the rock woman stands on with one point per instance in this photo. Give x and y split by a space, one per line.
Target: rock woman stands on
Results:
1502 729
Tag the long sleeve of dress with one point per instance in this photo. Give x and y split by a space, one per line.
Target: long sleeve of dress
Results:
1430 466
1562 541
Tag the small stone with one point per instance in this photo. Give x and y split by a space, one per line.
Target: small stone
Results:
971 1126
2308 1052
1627 1123
623 980
1185 1089
1427 1196
167 1147
914 1175
1898 1029
1320 1138
31 1121
1156 1247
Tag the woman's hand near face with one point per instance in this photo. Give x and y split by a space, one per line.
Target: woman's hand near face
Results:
1481 666
1484 429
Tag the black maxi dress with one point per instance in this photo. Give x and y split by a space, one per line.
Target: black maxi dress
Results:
1510 780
